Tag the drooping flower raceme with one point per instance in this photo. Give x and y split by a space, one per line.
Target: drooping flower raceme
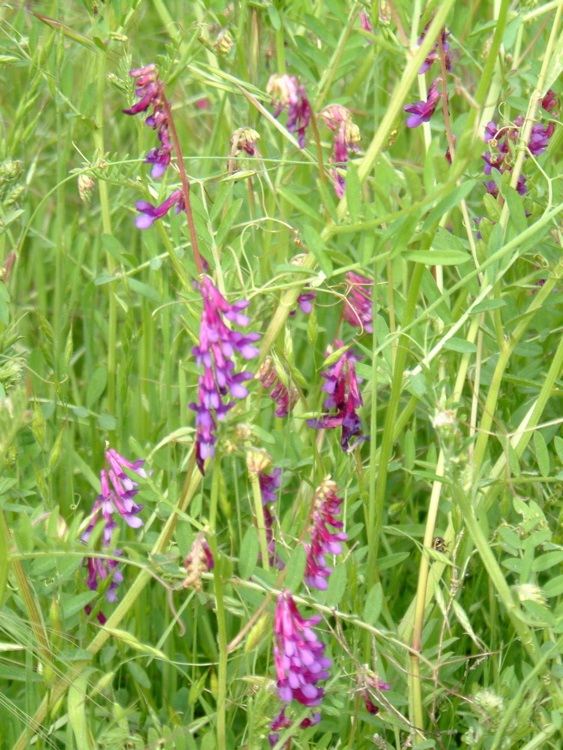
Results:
150 93
357 304
346 139
422 111
199 560
286 91
343 399
323 541
114 500
217 345
150 213
285 396
298 654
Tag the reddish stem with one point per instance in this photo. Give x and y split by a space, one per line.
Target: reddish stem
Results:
184 180
445 109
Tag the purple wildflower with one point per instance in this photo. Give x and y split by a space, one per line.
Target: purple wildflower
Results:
491 131
116 496
199 560
150 213
492 188
323 541
423 111
539 138
357 304
286 91
343 396
346 139
492 161
305 302
269 486
298 654
549 102
283 722
284 396
435 54
150 94
217 344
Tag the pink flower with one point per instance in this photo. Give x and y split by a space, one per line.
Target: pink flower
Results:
423 111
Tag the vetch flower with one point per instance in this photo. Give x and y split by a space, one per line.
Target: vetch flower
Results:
423 111
217 345
285 396
323 541
357 303
150 213
346 139
115 499
286 91
199 560
539 138
549 102
366 25
298 654
435 54
283 722
343 397
150 93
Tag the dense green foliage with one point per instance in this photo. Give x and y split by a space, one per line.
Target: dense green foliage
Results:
460 379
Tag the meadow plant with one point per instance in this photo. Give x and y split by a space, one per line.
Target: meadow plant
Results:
248 267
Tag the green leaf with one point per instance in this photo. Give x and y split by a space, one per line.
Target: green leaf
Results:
296 568
228 221
516 208
336 585
248 553
107 422
559 447
115 249
446 204
139 674
96 386
144 289
317 246
78 602
542 454
373 604
76 701
296 202
554 587
460 345
488 304
547 561
353 193
438 257
390 561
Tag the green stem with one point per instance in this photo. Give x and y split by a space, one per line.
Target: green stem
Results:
260 521
220 612
495 573
377 499
106 228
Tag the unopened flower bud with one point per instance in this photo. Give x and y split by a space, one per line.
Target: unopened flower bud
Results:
257 461
85 187
223 44
200 560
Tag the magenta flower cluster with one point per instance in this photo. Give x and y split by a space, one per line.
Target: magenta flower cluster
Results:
115 499
284 396
217 345
357 304
502 142
298 654
324 542
346 139
286 91
344 398
150 93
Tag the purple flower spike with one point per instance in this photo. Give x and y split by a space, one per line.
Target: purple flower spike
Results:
285 396
150 213
423 111
115 498
346 139
150 93
286 91
323 541
217 344
298 654
357 304
344 397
